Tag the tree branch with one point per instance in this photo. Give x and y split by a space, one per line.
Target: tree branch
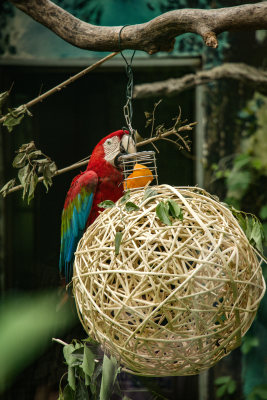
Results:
251 76
61 86
153 36
80 164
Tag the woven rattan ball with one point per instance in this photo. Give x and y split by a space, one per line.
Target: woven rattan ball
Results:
176 299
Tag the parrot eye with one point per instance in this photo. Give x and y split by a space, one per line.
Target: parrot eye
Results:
109 142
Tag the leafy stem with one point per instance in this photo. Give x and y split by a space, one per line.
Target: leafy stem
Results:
31 163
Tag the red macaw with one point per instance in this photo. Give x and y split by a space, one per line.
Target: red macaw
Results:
102 180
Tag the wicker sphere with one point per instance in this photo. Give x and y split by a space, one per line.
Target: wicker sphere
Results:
176 299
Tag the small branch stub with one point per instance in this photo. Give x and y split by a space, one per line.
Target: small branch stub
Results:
210 40
153 36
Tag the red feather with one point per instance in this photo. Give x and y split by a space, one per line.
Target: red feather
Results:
109 187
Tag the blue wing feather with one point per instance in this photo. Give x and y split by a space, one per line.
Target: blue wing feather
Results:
75 214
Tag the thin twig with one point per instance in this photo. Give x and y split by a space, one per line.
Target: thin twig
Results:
187 127
62 85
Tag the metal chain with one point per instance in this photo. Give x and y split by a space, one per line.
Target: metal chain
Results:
128 107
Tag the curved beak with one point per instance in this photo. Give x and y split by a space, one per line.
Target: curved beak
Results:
127 146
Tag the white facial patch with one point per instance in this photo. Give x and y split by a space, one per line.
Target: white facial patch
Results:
111 148
128 144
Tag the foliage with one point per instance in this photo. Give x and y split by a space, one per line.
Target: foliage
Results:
248 343
251 226
15 116
239 177
31 164
244 176
258 393
166 210
27 325
226 386
239 173
91 374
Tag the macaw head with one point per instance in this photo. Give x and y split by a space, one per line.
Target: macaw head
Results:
111 147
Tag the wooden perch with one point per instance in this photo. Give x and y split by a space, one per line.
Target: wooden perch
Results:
153 36
251 76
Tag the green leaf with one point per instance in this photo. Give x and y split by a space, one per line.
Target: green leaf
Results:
222 379
248 343
125 197
67 352
88 364
109 375
9 185
263 212
118 238
258 392
221 390
81 392
162 213
68 393
257 236
130 206
73 354
20 160
231 388
71 377
175 209
149 193
106 204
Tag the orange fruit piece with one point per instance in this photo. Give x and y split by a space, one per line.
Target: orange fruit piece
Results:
140 176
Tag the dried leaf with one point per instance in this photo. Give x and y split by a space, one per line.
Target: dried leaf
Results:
148 122
23 174
52 168
27 147
35 154
3 98
148 114
32 186
24 178
19 161
9 185
12 121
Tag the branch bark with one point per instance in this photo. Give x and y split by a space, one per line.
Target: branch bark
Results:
254 77
153 36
